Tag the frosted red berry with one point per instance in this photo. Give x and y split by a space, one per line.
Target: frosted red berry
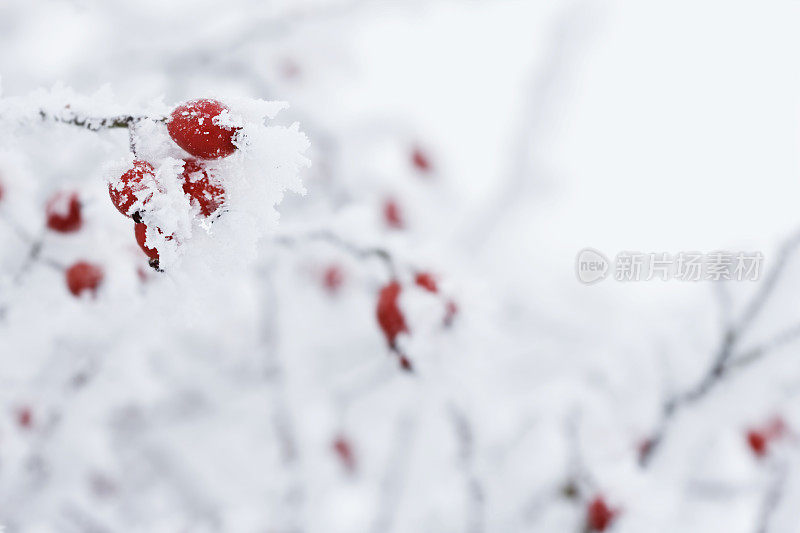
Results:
390 317
392 214
344 451
201 189
192 126
599 515
420 160
82 277
426 281
140 230
123 190
64 213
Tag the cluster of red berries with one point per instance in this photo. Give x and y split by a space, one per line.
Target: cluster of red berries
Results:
760 438
64 214
194 127
392 320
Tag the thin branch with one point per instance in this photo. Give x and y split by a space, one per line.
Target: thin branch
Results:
356 251
772 498
98 123
475 490
726 358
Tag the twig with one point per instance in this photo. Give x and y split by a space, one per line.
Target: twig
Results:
772 498
466 441
98 123
728 355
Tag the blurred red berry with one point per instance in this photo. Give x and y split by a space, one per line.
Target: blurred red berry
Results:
420 160
198 185
64 213
390 318
24 417
191 125
2 191
599 515
759 439
426 281
645 447
392 215
122 191
140 230
757 442
775 428
344 451
332 278
405 364
83 276
290 69
451 310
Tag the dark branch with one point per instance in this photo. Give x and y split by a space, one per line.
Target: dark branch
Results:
98 123
728 355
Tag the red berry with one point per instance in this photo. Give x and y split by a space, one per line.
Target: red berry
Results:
140 230
83 276
202 192
405 364
426 281
775 429
599 515
644 447
333 278
123 191
392 215
757 442
64 213
420 160
344 450
191 125
290 69
390 318
451 310
25 417
2 191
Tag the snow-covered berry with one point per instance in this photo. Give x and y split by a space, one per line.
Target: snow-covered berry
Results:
193 127
83 276
123 190
202 190
64 213
390 317
140 230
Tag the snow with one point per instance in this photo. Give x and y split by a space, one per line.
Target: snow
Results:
207 397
